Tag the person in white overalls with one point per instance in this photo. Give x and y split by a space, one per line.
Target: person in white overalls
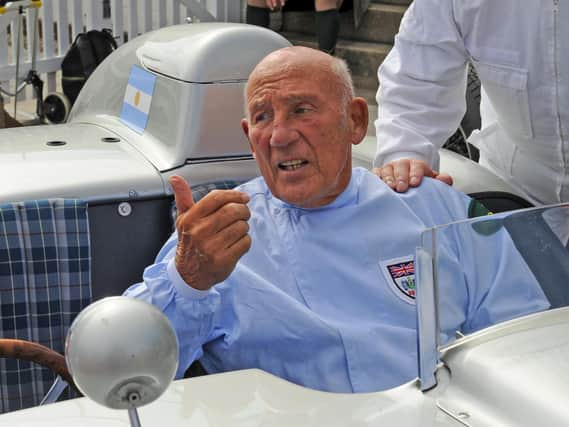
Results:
521 53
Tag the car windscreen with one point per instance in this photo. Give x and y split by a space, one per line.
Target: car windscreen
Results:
477 273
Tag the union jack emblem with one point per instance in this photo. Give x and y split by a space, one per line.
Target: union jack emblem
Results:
403 275
402 269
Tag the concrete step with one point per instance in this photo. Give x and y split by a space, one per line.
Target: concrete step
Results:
379 24
363 58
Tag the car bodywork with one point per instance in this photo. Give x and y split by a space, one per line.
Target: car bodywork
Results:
193 130
513 373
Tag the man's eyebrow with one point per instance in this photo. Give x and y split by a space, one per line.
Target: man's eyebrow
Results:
291 99
257 105
296 98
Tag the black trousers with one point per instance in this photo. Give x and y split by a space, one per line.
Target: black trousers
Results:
298 5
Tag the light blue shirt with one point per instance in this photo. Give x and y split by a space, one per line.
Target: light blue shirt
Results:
324 297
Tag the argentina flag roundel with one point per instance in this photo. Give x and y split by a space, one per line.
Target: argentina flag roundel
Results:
137 99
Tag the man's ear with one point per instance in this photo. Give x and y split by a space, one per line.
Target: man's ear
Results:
359 116
245 127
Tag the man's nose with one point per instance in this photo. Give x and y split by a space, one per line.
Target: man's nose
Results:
282 133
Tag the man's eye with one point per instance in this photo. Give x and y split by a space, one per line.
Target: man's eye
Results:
259 117
302 109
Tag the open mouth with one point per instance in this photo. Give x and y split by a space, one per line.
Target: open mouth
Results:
291 165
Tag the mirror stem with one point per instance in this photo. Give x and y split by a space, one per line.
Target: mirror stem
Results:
133 417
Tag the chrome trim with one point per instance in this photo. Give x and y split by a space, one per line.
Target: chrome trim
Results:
427 318
451 414
58 387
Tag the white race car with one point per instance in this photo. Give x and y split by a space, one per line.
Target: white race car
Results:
170 102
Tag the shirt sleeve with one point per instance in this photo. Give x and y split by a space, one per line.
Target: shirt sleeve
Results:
422 84
190 311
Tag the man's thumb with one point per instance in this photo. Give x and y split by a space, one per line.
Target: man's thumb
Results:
182 193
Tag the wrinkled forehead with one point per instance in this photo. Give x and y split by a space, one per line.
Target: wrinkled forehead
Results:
292 57
298 76
269 77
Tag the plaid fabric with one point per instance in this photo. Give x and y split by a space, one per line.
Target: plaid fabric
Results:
199 191
45 264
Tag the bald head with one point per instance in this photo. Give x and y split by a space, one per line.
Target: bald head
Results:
330 70
294 55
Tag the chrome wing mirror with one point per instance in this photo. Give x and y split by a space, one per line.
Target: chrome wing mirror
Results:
122 353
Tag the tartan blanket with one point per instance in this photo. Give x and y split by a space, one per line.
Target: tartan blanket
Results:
200 190
45 264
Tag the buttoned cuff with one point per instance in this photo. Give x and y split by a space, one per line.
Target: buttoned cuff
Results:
182 288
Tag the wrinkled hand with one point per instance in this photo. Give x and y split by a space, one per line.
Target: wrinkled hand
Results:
404 173
212 234
274 4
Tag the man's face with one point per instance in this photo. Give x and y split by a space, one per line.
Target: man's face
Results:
300 131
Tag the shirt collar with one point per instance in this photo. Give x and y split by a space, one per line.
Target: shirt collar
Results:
348 197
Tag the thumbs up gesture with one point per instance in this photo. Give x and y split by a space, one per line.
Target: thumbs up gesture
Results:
212 234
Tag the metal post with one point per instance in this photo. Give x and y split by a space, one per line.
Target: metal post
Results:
133 417
427 311
19 30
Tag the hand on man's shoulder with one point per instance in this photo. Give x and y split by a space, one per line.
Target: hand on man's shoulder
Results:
402 174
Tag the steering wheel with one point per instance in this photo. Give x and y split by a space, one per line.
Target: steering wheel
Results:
37 353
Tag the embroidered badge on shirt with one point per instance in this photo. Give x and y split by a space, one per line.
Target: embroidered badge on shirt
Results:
400 274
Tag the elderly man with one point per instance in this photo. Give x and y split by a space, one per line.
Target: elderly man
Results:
293 272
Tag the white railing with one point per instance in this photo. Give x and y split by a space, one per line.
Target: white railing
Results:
60 21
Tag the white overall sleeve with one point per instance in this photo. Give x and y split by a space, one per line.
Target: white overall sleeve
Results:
422 83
